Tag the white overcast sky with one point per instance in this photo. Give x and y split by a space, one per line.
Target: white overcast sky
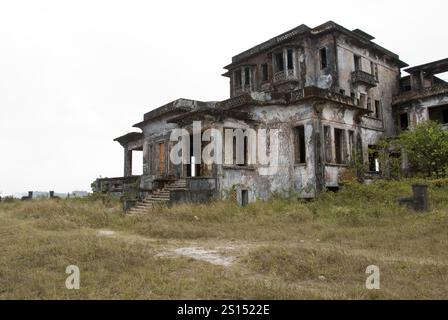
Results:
76 74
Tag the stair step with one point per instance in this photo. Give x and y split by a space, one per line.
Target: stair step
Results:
140 210
142 207
159 197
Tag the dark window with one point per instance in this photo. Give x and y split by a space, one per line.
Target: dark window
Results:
339 140
323 58
279 62
363 100
327 142
244 197
290 60
351 144
246 76
299 145
238 79
369 103
264 72
377 109
342 91
245 152
376 71
149 159
357 63
404 121
445 116
374 165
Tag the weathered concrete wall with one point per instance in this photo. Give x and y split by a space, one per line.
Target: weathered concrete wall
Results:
188 196
387 85
156 132
326 159
286 175
418 109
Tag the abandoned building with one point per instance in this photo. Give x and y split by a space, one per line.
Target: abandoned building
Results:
330 92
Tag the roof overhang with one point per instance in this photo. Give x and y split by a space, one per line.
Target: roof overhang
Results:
330 26
131 141
435 67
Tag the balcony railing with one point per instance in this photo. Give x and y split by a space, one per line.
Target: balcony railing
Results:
284 75
234 102
117 185
421 93
361 77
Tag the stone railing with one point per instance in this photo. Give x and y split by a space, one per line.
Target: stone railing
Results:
420 94
117 186
284 76
365 78
234 102
242 89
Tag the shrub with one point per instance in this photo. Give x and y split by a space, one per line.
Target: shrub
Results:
426 147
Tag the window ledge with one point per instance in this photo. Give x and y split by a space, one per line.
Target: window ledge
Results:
339 165
233 167
373 118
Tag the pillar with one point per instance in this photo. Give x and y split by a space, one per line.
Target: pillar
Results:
319 153
127 162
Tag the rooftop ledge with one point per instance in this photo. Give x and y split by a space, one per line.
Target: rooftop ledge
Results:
420 94
288 98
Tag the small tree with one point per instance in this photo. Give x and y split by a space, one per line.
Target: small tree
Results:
426 147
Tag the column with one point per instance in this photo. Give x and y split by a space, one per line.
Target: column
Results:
127 162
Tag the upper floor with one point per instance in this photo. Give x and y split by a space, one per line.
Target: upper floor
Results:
328 56
423 96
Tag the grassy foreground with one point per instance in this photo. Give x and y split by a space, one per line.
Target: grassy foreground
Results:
280 249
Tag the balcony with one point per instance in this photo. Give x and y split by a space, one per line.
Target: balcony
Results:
235 102
361 77
285 75
404 97
242 89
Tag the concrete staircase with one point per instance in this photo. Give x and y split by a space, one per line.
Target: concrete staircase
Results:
158 197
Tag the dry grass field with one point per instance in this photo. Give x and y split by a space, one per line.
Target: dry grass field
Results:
280 249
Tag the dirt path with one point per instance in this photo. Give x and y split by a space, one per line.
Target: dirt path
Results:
224 253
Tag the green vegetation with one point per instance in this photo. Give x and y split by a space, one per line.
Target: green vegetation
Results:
425 147
283 249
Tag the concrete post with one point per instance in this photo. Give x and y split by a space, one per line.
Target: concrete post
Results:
319 163
127 162
421 202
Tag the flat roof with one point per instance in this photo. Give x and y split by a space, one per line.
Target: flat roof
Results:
434 67
177 106
128 137
304 29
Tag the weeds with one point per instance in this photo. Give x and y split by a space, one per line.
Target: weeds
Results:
288 248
